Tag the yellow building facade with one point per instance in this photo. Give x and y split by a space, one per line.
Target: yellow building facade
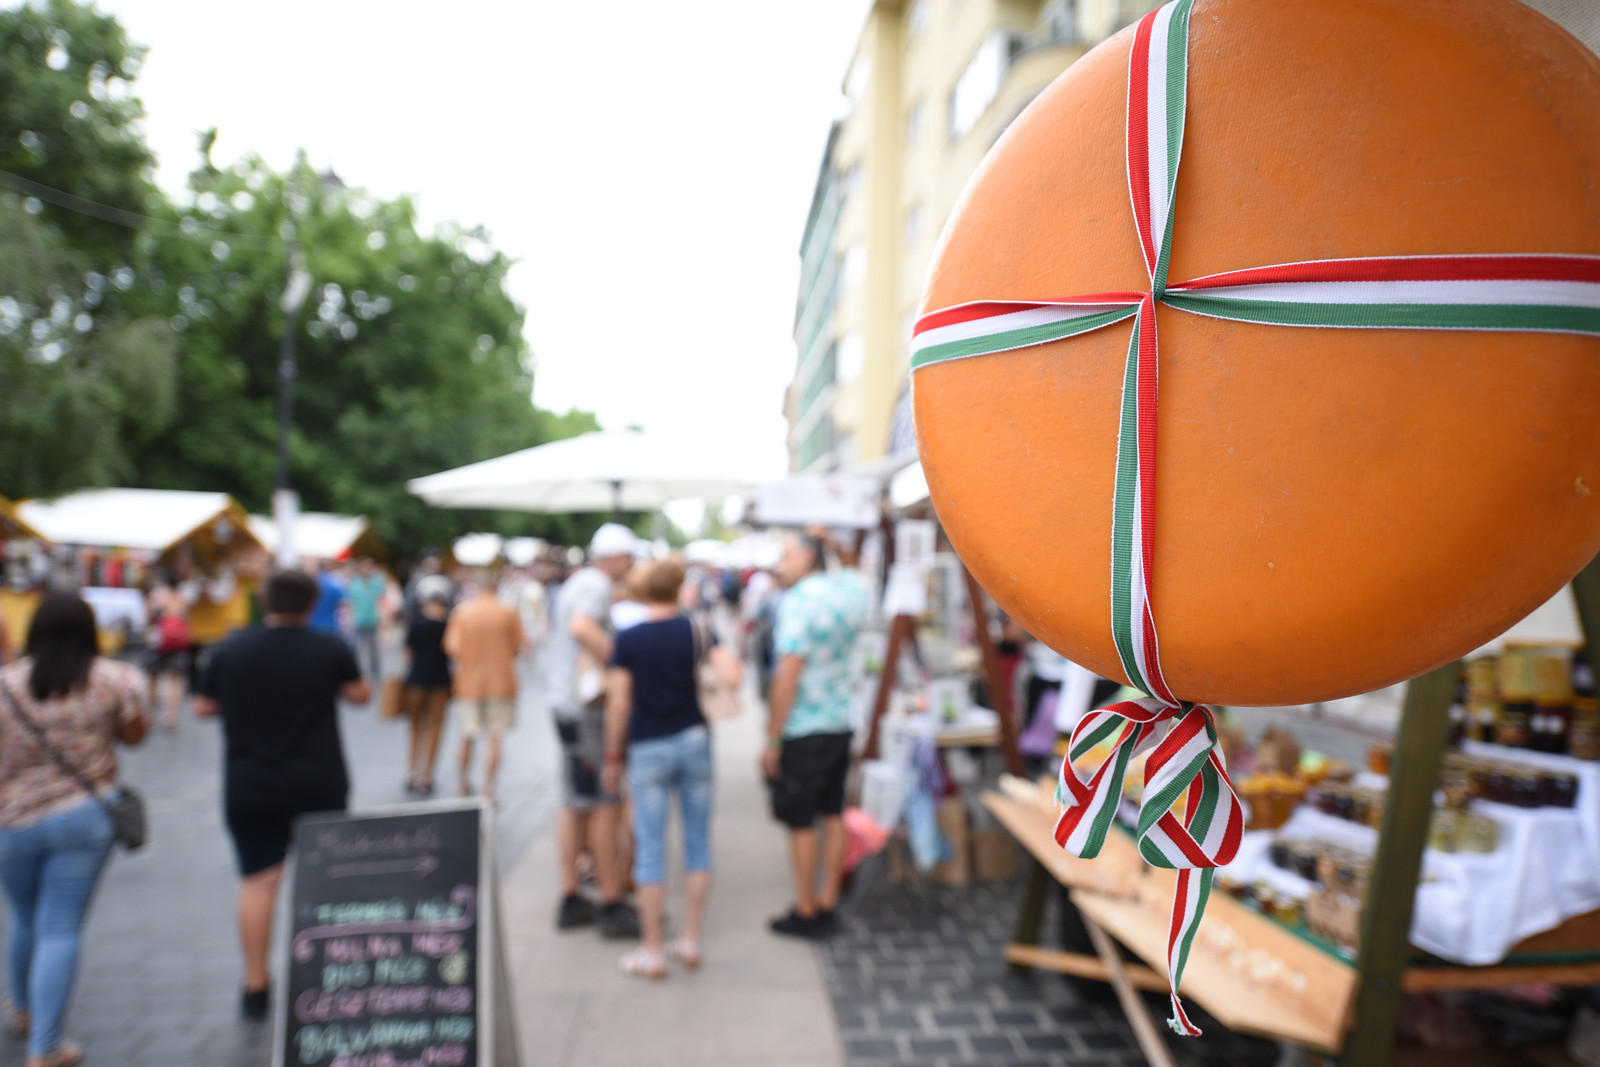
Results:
932 85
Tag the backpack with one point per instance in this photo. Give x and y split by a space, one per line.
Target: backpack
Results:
173 635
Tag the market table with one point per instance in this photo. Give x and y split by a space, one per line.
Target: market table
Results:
1253 973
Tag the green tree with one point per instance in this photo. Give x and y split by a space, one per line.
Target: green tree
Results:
139 338
70 119
410 353
81 380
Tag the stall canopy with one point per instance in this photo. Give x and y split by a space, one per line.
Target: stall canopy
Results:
477 549
150 519
12 528
320 535
611 470
846 500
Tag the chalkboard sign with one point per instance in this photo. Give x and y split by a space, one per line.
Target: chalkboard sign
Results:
393 947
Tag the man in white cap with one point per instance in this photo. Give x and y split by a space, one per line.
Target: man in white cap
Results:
580 649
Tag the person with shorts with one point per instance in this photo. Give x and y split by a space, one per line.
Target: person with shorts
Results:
808 726
276 688
484 636
580 646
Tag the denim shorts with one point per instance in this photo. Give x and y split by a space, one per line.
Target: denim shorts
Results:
678 763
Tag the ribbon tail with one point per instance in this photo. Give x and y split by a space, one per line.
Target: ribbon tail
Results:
1188 907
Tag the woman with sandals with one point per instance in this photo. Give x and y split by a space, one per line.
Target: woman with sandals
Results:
63 709
653 712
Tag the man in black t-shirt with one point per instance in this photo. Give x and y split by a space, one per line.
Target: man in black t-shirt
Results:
277 688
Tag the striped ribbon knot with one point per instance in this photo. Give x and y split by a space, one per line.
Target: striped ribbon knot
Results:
1536 292
1186 765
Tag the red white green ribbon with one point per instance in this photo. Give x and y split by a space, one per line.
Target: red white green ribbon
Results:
1550 293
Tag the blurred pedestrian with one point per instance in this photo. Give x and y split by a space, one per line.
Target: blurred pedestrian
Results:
54 835
580 647
808 727
276 688
427 565
330 599
365 592
484 637
170 644
629 608
427 686
653 713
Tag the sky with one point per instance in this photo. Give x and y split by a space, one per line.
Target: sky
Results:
648 164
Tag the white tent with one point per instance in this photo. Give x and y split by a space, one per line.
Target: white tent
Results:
612 470
521 551
317 534
150 519
477 549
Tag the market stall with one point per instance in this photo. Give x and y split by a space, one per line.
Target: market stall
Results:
24 566
1465 862
122 540
320 535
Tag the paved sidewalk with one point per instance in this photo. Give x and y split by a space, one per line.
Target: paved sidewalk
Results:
158 981
757 999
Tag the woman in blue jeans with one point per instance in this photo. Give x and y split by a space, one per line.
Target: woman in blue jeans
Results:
54 836
653 712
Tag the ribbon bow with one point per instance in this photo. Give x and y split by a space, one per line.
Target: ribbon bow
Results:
1550 293
1186 764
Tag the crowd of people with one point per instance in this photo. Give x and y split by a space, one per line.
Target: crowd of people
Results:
628 645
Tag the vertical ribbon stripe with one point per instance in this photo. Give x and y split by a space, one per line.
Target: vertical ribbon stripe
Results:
1532 292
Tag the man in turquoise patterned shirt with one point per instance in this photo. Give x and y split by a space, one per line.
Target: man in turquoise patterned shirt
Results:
808 730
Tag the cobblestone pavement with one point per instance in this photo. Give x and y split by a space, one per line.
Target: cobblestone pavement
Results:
917 978
159 977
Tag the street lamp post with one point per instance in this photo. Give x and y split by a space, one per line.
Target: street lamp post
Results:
296 287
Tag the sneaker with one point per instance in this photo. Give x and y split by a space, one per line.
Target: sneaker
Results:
794 924
575 911
253 1004
619 921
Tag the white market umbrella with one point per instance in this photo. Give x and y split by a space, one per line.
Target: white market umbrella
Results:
611 470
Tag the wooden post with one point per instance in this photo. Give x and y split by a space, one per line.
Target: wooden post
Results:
999 692
901 632
1586 591
1036 883
1392 893
1144 1030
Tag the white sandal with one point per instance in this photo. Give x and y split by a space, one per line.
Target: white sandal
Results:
685 952
642 963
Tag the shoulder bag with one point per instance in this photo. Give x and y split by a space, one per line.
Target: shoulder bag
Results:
718 702
126 808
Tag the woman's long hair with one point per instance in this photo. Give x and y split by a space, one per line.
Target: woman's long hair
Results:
62 643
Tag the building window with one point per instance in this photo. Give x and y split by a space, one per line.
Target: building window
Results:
916 19
913 224
975 90
850 358
853 269
914 119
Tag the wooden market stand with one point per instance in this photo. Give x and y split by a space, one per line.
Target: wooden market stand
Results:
1346 1009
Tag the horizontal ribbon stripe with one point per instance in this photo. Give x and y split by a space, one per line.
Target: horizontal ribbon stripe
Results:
1013 330
1526 292
1536 318
1513 267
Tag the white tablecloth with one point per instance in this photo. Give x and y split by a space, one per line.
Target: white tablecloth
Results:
1473 907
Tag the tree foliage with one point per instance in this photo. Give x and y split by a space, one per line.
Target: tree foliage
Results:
410 353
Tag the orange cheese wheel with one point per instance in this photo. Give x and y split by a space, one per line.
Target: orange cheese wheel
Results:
1337 510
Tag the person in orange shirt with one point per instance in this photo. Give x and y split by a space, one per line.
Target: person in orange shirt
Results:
484 637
